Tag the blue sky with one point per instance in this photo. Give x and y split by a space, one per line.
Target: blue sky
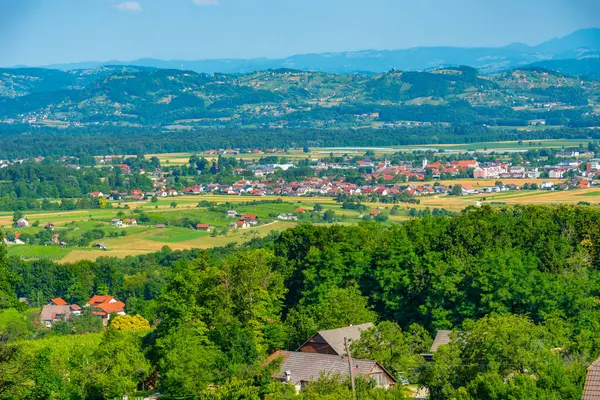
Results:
41 32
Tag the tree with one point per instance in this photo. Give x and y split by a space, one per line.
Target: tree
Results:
317 207
187 362
456 190
129 323
329 216
120 364
154 199
514 359
173 204
398 351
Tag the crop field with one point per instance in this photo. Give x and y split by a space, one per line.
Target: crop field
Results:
36 251
316 152
134 240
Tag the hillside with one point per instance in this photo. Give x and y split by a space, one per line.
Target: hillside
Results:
180 100
583 43
586 67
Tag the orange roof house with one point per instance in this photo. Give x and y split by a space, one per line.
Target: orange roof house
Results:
58 302
103 306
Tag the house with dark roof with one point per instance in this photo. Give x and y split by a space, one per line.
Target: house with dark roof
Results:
299 368
332 341
442 337
591 390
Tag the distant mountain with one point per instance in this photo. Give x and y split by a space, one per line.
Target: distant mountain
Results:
143 97
586 67
581 44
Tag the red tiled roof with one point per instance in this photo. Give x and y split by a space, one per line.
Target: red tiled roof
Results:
59 302
112 307
99 299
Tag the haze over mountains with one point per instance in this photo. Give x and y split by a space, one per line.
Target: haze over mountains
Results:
582 44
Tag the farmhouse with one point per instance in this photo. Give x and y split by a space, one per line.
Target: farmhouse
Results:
298 369
203 227
442 337
22 223
103 306
130 221
117 222
249 218
58 310
332 341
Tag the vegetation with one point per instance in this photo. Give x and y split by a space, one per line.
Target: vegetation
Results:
518 285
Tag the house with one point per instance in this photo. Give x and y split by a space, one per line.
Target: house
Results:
287 217
332 341
298 369
442 337
232 213
49 226
203 227
22 223
117 222
299 210
130 221
591 390
58 302
51 313
96 194
467 189
103 306
100 246
375 213
160 226
240 225
249 218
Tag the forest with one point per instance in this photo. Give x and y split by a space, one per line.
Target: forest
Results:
98 141
518 286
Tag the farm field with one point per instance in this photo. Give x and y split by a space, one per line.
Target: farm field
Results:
73 226
319 152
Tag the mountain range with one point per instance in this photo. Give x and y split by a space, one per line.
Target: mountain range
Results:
581 44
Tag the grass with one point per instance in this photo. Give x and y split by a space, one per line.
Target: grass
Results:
177 235
37 251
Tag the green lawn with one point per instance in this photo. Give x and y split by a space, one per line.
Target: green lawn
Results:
175 235
37 251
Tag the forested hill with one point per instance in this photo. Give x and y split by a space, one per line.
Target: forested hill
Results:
519 286
183 100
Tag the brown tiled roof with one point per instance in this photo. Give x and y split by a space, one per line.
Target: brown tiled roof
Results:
591 390
335 337
442 337
304 367
49 312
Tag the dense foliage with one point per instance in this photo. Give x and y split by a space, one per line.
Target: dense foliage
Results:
518 285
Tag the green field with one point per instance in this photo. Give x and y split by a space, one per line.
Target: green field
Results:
37 251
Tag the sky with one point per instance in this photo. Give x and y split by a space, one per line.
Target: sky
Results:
44 32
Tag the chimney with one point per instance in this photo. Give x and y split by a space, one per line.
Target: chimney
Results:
288 375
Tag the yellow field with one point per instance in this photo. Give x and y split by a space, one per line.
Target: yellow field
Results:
145 239
140 243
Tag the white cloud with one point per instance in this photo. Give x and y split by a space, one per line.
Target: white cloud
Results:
202 3
129 6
